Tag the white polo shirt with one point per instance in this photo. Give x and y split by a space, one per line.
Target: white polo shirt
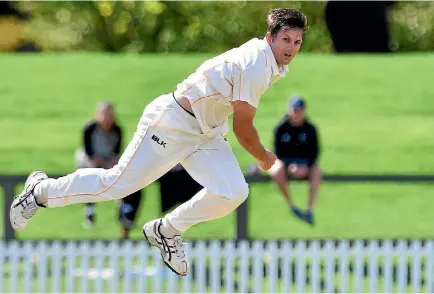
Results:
240 74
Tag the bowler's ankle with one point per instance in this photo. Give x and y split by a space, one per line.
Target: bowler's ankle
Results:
40 197
169 228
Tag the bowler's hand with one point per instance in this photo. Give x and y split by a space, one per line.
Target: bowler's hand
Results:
267 162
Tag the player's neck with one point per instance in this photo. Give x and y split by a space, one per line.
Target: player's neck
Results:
296 123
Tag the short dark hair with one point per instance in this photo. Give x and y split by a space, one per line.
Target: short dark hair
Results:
104 104
285 17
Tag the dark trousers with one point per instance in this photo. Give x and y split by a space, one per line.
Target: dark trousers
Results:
128 209
177 187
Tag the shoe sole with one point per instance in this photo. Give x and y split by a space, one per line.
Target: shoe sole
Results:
12 217
162 256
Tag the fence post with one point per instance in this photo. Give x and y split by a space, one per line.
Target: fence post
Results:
9 193
242 222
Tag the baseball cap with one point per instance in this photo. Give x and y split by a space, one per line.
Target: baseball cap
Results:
297 102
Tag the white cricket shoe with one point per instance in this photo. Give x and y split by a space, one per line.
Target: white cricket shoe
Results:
171 247
24 205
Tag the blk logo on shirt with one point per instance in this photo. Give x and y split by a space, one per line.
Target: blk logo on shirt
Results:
159 141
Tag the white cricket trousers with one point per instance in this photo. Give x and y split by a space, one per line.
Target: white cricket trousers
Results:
166 135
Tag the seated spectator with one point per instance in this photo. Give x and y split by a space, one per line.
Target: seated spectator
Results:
297 149
102 139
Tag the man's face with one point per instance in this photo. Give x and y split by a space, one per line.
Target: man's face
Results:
105 117
297 115
285 44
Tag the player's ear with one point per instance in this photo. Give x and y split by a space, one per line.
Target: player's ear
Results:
269 37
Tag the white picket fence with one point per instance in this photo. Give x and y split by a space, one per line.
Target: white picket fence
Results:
217 267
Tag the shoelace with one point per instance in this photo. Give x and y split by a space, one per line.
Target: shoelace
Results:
178 244
30 211
29 208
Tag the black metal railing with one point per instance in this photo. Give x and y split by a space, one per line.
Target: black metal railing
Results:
10 182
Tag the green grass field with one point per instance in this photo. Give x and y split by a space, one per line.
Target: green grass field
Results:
374 114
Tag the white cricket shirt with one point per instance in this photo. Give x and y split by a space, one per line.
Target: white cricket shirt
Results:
242 73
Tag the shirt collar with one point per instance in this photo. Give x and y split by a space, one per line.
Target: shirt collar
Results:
275 70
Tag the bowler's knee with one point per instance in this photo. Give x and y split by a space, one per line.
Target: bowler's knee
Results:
112 174
240 191
111 180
